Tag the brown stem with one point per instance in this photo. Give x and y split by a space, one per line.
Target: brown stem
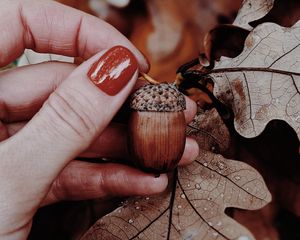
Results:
148 78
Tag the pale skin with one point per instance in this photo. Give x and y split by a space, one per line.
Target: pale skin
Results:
38 148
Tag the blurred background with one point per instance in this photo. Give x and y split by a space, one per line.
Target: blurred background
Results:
168 32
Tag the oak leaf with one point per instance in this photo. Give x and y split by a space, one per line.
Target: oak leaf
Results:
252 10
208 129
263 82
193 206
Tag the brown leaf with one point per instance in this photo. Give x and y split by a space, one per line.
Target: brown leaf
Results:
284 12
252 10
193 207
224 40
209 131
263 82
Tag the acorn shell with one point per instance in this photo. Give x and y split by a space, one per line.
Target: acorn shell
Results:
157 127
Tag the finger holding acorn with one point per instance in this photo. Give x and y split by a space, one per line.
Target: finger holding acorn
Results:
157 126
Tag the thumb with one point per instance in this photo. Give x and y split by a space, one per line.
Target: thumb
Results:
72 117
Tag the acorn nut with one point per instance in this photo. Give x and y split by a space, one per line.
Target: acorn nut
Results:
157 126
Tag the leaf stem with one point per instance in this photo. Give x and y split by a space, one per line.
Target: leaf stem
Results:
148 78
172 199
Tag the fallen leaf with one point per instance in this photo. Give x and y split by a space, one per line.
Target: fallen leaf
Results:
209 131
224 40
193 207
263 82
284 12
252 10
261 86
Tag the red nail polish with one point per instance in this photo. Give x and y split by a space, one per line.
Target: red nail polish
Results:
113 70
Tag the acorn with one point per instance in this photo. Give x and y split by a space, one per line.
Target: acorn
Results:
157 126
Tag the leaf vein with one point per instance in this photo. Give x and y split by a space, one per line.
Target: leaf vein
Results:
230 181
284 55
202 218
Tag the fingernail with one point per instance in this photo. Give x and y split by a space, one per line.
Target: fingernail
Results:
159 184
113 70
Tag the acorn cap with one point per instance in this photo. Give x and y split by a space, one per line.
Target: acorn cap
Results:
158 98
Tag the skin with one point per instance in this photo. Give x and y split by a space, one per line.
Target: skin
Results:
38 147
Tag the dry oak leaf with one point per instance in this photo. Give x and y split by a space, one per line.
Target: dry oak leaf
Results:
210 132
255 12
193 206
263 82
252 10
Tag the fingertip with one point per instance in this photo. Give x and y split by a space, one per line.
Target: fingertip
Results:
191 109
144 63
151 184
127 181
159 184
190 153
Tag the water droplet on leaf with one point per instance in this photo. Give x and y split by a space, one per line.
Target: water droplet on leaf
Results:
130 221
237 177
221 165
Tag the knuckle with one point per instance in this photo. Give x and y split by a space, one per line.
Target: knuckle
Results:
72 114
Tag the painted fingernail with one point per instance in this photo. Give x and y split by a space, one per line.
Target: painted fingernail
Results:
113 70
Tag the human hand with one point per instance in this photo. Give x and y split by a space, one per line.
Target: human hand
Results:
52 112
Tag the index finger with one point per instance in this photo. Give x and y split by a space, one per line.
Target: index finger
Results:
50 27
